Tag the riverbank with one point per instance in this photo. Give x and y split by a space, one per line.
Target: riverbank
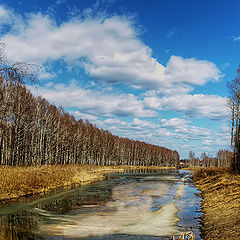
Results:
17 182
221 202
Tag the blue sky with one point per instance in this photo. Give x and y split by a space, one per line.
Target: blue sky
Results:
154 70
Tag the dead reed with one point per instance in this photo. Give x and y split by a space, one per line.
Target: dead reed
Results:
221 202
17 182
184 236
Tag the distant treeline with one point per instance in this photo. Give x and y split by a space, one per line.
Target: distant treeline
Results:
224 158
34 132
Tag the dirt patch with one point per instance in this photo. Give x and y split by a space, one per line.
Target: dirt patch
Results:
221 203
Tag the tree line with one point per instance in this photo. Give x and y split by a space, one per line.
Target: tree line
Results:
35 132
224 158
234 114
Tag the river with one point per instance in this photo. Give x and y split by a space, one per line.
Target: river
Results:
143 204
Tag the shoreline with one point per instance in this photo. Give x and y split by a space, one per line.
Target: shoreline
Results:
220 191
20 182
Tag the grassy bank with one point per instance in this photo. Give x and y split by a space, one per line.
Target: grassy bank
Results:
16 182
221 202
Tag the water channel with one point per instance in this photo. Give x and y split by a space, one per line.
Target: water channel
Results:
132 205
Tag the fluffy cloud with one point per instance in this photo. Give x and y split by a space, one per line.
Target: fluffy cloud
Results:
175 123
143 123
175 128
174 133
217 142
191 71
183 129
196 105
94 102
108 48
7 17
140 129
85 116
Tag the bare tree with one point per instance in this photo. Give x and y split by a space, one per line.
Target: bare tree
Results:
234 106
18 73
225 158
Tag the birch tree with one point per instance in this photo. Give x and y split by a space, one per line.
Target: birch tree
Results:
234 106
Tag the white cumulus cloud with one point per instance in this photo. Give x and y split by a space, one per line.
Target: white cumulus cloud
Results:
191 105
108 48
94 102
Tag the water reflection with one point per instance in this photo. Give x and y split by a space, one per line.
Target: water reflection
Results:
125 206
189 210
17 226
21 220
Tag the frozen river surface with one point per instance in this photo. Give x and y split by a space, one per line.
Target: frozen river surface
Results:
132 205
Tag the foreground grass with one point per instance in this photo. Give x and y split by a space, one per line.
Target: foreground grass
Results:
16 182
221 202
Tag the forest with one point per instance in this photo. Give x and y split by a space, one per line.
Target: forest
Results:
35 132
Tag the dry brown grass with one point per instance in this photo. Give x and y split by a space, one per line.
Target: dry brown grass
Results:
184 236
221 202
17 182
